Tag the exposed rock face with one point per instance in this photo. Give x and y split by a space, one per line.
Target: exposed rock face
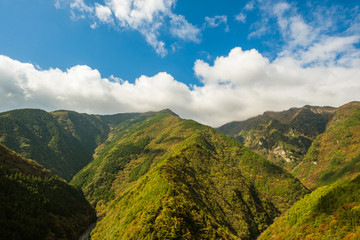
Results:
282 137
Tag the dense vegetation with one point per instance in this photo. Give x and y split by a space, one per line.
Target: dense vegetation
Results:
162 177
62 141
156 176
281 137
330 212
335 154
34 204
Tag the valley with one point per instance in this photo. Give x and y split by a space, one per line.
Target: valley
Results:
154 175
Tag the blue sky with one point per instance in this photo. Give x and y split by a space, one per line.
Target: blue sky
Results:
38 32
213 61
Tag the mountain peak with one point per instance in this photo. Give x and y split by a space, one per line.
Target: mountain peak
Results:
169 111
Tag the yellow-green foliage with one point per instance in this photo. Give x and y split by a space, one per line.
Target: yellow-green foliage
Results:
330 212
161 177
335 154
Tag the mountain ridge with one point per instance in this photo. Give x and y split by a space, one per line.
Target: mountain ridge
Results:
335 154
162 159
63 141
282 137
147 171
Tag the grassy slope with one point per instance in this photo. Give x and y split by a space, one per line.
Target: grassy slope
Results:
163 177
282 137
34 204
335 154
330 212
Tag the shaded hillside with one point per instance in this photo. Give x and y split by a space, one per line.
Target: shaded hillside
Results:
331 212
282 137
335 154
88 130
166 178
34 204
62 141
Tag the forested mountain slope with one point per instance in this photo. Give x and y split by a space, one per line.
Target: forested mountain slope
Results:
62 141
282 137
156 176
34 204
161 177
330 212
335 154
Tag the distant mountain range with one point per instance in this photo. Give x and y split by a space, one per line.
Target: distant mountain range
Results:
156 176
319 145
62 141
282 137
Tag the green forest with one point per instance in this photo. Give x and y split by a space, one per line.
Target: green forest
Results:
38 205
280 175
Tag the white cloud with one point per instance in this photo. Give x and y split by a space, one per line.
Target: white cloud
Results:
103 13
135 13
216 21
153 41
235 87
292 26
249 6
80 5
148 17
57 4
314 67
260 29
263 85
330 51
239 67
241 17
311 43
181 28
83 89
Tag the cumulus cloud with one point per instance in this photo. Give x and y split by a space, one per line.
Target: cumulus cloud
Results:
320 69
83 89
148 17
235 87
239 67
216 21
279 84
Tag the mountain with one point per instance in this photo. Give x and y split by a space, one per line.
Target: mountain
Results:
62 141
160 177
35 204
330 212
335 154
282 137
156 176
